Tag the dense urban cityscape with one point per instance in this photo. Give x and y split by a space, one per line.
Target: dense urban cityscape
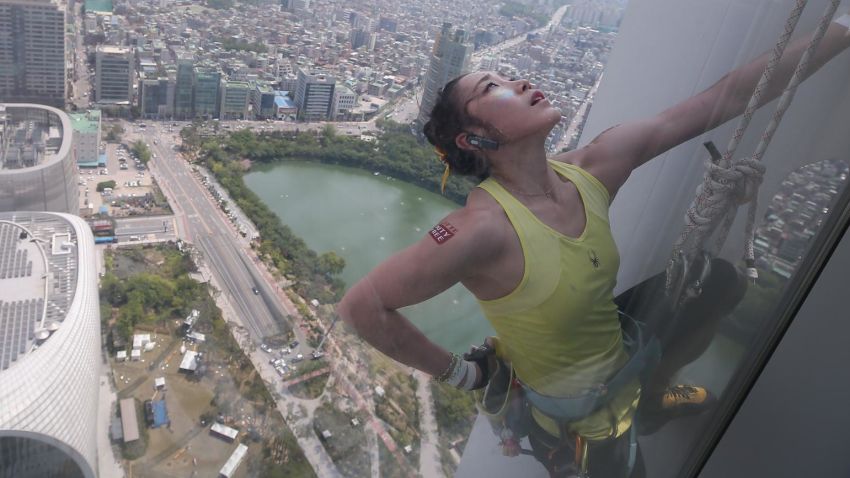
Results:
77 103
126 128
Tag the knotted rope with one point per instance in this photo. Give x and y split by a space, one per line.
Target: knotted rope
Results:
729 183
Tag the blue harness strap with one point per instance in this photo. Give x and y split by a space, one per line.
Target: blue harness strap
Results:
644 356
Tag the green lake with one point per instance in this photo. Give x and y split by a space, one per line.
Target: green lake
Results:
365 218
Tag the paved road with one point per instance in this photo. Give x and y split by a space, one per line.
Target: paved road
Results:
298 413
202 223
305 377
512 42
407 109
429 456
145 225
80 81
569 139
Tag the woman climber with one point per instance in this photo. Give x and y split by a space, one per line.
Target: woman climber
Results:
533 244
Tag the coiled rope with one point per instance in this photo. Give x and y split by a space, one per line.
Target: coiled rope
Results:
729 183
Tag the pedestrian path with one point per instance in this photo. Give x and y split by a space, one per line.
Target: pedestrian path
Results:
306 376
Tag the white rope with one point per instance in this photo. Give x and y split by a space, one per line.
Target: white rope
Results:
729 183
767 135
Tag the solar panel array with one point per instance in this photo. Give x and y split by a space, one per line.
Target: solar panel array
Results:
14 262
62 268
19 319
17 325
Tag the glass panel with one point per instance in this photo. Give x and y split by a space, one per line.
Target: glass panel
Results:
311 129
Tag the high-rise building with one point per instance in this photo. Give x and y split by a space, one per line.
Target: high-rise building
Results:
288 82
32 52
114 75
449 59
86 138
344 101
262 100
156 97
359 37
358 20
50 356
184 87
314 95
489 63
388 24
37 167
207 93
295 5
235 98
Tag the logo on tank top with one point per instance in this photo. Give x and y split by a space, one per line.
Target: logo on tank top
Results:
594 259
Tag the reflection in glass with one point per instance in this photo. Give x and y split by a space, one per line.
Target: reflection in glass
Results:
793 218
27 458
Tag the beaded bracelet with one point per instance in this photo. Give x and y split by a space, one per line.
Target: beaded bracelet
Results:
451 369
458 374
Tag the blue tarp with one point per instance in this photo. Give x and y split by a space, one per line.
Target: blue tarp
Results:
160 413
104 209
282 100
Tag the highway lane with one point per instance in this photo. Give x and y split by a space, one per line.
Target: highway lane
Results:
211 233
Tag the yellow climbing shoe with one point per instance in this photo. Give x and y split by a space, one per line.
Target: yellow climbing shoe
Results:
675 402
684 398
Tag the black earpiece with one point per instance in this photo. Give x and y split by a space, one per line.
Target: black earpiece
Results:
481 142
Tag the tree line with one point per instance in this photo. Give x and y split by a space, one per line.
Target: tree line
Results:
395 152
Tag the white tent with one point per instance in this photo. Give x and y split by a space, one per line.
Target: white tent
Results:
190 361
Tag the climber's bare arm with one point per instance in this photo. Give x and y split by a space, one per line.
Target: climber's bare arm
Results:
613 155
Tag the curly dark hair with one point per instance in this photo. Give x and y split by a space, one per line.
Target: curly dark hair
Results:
448 119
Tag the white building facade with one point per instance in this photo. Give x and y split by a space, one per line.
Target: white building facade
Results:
86 137
344 101
50 356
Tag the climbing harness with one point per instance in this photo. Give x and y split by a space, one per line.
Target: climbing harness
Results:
729 183
507 401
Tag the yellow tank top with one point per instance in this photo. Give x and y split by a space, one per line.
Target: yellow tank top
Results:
559 327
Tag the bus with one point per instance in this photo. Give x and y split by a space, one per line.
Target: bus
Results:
105 240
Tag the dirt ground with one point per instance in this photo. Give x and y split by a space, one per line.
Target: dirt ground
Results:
185 447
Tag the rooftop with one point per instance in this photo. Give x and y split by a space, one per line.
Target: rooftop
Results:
283 102
99 6
32 135
112 49
87 122
38 275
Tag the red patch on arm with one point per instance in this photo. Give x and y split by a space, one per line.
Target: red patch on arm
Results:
442 232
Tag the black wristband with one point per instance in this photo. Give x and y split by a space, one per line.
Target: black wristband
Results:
480 356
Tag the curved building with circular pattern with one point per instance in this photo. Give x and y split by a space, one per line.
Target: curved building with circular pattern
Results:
49 346
38 171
